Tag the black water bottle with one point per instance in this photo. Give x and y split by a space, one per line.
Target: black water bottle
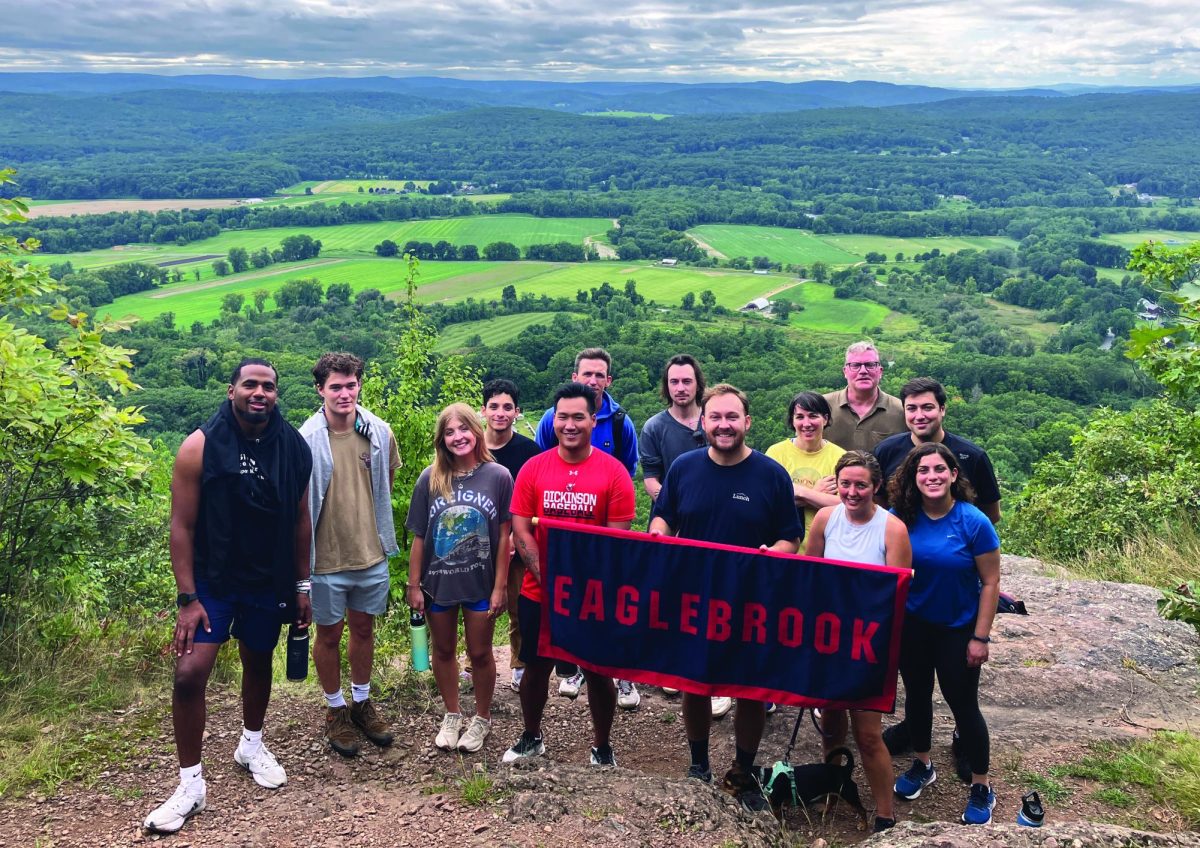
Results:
297 653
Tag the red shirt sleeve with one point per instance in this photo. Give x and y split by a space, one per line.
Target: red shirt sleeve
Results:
622 502
524 497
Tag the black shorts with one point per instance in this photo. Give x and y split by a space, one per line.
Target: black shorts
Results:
529 615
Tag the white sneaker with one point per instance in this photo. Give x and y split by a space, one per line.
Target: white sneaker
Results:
515 683
447 737
477 731
262 765
720 706
569 687
627 695
669 692
178 809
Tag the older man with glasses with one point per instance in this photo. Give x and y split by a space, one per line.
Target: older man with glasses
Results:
863 416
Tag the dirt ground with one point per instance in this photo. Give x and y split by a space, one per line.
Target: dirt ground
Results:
1089 664
99 207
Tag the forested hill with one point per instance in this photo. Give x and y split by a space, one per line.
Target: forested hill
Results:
670 97
1007 151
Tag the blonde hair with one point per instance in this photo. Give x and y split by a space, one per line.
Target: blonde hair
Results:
441 473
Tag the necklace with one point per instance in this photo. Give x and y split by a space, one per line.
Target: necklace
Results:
466 475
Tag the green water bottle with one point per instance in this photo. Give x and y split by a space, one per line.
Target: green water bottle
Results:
420 642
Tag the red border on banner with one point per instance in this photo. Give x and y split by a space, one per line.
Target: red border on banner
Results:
880 703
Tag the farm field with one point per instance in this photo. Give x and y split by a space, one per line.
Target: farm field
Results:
480 230
492 331
825 313
1132 240
61 208
799 247
193 300
1020 318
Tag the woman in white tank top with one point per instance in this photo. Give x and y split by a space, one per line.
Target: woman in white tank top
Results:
856 530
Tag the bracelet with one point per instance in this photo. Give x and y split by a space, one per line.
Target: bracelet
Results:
984 639
304 587
414 585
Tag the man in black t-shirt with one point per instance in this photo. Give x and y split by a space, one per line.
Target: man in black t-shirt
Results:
501 410
924 402
241 537
732 495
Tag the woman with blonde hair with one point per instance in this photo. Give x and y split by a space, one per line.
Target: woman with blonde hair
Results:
460 521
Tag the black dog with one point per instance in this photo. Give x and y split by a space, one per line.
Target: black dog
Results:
815 782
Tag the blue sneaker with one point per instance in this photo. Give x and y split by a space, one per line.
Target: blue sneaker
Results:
910 784
979 804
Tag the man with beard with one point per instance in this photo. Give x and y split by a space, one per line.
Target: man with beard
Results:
732 495
240 537
576 482
670 434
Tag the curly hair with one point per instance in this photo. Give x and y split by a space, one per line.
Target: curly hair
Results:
903 494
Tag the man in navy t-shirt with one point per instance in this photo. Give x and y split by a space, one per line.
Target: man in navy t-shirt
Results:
924 402
732 495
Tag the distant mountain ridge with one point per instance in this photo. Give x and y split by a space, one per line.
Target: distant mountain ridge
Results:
656 97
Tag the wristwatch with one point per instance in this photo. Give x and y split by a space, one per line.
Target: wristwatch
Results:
185 598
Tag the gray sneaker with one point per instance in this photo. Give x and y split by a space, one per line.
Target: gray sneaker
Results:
477 732
448 734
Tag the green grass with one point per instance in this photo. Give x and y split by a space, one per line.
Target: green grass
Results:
798 247
825 313
455 281
1166 768
621 113
781 244
492 331
1132 240
1050 789
1020 318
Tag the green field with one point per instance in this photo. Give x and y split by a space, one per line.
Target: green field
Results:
1170 237
492 331
1020 318
798 247
825 313
620 113
454 281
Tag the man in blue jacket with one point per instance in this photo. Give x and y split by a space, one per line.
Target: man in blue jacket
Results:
616 435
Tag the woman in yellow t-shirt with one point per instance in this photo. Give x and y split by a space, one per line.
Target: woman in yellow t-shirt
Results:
808 457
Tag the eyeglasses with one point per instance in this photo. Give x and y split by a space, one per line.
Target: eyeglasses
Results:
863 366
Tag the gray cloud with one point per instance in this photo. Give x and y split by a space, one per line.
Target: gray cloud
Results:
945 42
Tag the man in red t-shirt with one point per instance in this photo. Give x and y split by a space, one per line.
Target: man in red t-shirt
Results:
570 482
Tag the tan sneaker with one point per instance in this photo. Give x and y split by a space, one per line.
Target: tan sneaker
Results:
340 731
363 714
447 738
477 731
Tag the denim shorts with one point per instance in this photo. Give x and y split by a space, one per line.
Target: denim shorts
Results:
252 616
473 606
362 590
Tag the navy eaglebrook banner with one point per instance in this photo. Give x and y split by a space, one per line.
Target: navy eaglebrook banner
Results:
722 620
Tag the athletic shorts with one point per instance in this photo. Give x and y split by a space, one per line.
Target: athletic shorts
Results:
473 606
362 590
530 615
252 616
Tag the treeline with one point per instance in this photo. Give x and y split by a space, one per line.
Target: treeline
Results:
497 251
996 151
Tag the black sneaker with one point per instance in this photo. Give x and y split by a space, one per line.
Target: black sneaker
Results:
527 746
604 757
743 786
1032 814
882 824
897 739
700 773
962 766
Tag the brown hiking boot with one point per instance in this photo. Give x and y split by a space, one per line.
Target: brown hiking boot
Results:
341 733
373 727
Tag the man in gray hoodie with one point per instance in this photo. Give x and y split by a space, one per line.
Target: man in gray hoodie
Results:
354 465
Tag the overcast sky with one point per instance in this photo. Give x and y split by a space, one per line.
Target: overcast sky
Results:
939 42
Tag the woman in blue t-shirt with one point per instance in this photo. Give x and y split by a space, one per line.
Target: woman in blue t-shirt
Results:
948 621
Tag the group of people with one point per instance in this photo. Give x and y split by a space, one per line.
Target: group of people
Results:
272 525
